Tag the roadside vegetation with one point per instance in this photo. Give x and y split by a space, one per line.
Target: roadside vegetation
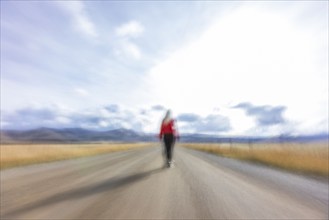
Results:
310 158
25 154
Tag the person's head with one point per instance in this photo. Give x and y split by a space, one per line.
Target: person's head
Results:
167 117
168 114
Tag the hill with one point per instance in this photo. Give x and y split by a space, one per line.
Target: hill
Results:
68 135
51 135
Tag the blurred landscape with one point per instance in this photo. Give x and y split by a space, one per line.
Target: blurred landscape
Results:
78 135
304 154
304 158
14 155
87 85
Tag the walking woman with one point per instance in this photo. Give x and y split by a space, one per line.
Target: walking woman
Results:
168 134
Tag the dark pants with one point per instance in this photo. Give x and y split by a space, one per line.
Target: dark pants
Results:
169 141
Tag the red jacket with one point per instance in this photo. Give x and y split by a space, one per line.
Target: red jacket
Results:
168 128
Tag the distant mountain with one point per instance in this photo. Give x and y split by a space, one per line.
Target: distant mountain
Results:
41 135
323 137
5 138
68 135
303 138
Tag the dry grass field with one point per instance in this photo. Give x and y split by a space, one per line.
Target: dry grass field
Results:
305 158
24 154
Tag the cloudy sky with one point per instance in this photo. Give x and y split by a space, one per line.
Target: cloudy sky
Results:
223 67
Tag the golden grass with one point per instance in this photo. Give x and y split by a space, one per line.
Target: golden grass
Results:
305 158
19 155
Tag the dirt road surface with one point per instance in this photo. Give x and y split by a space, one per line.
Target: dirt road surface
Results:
134 185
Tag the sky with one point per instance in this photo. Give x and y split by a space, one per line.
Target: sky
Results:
223 67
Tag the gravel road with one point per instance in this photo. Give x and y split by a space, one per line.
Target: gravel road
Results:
134 185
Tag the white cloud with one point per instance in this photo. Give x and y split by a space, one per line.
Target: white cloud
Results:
103 124
80 19
126 47
62 120
130 29
252 54
131 50
81 92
